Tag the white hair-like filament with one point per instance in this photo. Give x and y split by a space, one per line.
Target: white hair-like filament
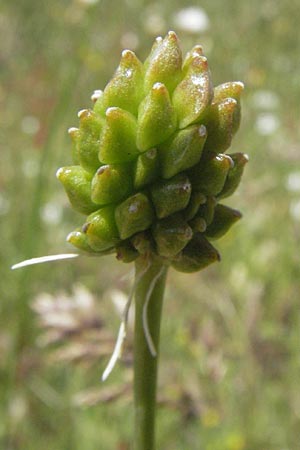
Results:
147 333
117 352
44 259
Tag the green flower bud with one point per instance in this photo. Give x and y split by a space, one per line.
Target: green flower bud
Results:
182 151
117 143
171 195
88 141
197 255
234 174
197 199
164 63
194 93
224 218
77 184
100 229
146 169
225 92
197 50
157 119
79 240
74 135
97 98
133 215
149 168
111 183
206 211
171 235
126 87
232 89
210 174
222 122
204 215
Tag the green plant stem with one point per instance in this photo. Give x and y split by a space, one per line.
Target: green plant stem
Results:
150 274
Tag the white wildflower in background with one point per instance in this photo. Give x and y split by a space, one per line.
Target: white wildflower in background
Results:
88 2
295 210
30 167
192 19
153 21
73 329
293 182
17 409
265 100
66 313
266 124
51 213
130 40
30 125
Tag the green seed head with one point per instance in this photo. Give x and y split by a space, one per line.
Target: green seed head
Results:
149 163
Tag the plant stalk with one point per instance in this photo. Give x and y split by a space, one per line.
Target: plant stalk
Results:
150 276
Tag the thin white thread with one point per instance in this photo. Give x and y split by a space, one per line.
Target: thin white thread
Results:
44 259
147 333
117 352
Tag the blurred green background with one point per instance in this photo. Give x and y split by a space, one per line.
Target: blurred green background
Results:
230 353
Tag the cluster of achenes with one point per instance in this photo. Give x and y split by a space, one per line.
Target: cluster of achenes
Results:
149 159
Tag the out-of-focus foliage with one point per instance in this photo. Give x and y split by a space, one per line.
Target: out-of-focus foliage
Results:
230 335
